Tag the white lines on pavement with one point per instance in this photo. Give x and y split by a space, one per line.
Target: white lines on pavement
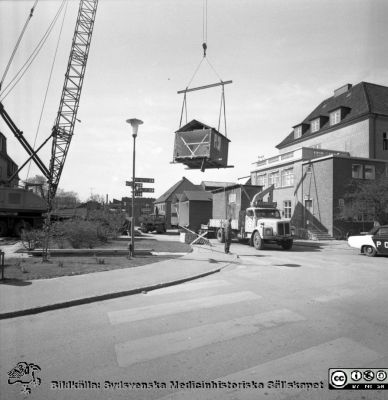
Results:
309 365
149 348
336 295
159 310
188 287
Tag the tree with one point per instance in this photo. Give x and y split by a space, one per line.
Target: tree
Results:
66 199
369 197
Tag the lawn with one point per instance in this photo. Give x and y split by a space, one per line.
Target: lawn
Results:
28 268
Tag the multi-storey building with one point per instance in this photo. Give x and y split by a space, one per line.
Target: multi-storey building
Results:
343 138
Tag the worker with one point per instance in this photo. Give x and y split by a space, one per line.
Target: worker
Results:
228 234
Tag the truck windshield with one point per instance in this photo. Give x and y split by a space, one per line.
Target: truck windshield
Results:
267 214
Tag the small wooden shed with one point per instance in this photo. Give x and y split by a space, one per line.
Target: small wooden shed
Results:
200 146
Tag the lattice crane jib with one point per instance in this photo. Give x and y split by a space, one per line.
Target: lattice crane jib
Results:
63 129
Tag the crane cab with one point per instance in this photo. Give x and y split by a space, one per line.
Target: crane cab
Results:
199 146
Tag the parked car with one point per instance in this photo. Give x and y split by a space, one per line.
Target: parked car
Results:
374 242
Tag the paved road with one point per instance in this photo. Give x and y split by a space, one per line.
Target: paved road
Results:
272 315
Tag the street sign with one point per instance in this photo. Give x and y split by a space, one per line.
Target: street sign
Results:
138 194
145 180
138 185
148 190
128 183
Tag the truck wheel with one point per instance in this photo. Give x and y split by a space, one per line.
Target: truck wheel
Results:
3 228
258 242
287 244
221 235
369 251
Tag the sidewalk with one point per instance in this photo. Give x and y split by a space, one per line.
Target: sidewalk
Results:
19 298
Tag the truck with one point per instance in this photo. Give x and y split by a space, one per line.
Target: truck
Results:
153 222
253 220
20 209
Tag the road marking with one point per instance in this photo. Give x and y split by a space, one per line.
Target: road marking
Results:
335 295
309 365
188 287
149 348
155 311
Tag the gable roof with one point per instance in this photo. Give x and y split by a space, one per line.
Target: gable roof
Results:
197 125
168 195
196 195
216 184
360 100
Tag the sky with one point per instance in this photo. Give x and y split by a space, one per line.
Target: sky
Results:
284 57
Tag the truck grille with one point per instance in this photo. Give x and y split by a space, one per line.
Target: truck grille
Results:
283 228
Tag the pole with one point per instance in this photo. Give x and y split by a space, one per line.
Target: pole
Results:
133 199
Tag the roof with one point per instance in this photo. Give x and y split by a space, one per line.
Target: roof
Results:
196 195
197 125
360 100
216 184
168 195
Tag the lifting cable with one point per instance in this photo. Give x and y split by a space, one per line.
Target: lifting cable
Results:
14 81
205 58
48 85
17 43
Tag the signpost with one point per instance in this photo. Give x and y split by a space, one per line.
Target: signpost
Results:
139 189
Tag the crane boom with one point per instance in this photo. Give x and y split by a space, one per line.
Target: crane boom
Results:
63 128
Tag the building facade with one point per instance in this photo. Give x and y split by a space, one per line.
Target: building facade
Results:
7 166
342 139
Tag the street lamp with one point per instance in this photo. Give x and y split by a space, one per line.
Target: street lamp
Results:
135 126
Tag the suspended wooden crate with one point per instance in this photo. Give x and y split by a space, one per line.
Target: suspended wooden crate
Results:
200 146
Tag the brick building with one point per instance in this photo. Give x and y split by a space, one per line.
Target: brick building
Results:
7 166
343 138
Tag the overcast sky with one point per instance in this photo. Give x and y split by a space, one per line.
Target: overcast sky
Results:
284 58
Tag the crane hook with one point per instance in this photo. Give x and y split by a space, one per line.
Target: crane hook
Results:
204 46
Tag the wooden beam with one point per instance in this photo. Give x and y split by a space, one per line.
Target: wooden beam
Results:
204 87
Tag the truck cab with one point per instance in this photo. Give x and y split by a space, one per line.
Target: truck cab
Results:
265 225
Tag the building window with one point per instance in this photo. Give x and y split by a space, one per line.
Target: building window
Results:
297 132
341 203
335 117
274 179
385 141
217 142
287 208
356 171
232 198
261 180
288 177
370 172
315 125
316 146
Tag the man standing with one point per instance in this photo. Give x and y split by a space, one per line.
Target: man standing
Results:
228 234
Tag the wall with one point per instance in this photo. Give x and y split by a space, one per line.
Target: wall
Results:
381 126
200 213
352 138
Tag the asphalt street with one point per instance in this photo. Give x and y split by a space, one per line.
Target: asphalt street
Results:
271 316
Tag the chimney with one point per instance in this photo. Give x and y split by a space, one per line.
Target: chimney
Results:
342 89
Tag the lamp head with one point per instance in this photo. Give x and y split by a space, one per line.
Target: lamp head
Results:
135 125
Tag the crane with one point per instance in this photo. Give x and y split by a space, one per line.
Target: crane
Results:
63 129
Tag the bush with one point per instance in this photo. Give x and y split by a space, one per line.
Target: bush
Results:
32 238
79 233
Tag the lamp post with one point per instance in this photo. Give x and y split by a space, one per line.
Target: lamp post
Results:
135 126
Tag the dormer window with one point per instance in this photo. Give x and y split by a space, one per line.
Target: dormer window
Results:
315 125
300 129
335 117
298 132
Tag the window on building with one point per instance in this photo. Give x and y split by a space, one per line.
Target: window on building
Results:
217 142
356 171
315 125
288 177
341 203
274 179
385 141
232 198
287 208
261 180
316 146
370 172
297 132
335 117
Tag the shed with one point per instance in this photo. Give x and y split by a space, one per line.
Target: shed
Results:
195 208
200 146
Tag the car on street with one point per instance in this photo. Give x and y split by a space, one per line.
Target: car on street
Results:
374 242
